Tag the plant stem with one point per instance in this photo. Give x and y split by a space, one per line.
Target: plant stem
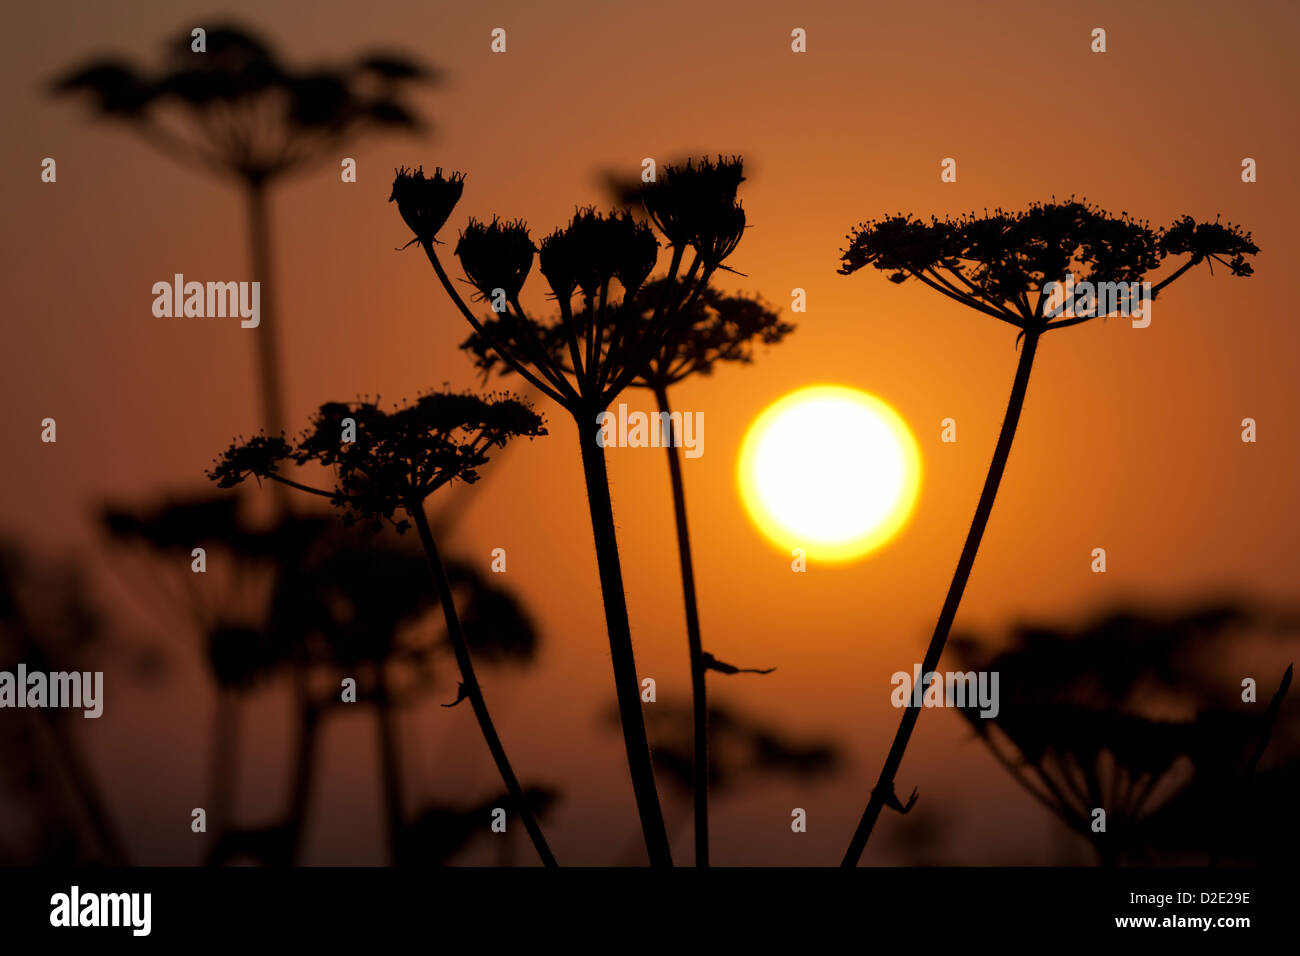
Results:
626 685
699 690
885 784
472 689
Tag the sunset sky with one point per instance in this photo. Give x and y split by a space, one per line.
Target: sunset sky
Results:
1130 439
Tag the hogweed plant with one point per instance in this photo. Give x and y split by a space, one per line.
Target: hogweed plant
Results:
1009 266
595 267
717 328
237 110
397 460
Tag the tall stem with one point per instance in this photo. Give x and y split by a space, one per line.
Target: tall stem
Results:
699 690
626 684
885 784
472 689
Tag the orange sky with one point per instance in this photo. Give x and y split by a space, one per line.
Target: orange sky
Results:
1129 440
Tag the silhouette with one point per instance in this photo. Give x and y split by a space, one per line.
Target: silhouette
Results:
400 459
1000 264
718 328
47 623
229 612
695 208
745 748
1159 738
238 111
303 596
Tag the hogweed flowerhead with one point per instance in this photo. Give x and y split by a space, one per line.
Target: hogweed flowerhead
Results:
695 205
398 457
595 248
496 255
426 202
1219 242
258 457
1004 263
238 108
603 342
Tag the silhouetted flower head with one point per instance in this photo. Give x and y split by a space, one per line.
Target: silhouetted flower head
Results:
399 456
1219 242
426 202
695 205
497 255
720 240
258 457
995 261
717 327
594 248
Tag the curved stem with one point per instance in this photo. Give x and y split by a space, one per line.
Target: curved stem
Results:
465 310
885 784
472 689
626 685
699 689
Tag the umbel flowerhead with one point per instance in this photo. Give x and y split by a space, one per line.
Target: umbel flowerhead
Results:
1002 263
608 258
397 457
718 327
595 248
238 108
426 202
496 255
695 205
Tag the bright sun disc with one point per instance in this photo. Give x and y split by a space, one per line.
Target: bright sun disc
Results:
829 469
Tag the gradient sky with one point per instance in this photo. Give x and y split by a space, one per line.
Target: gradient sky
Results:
1130 439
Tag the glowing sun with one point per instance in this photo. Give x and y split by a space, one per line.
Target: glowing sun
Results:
829 469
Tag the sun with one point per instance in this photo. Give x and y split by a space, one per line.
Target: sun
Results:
829 469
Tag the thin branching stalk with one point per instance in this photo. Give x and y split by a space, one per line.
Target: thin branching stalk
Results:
472 690
884 788
699 690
